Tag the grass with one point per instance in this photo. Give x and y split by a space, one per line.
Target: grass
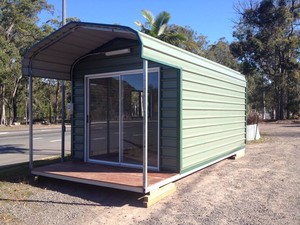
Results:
17 183
21 172
263 139
15 191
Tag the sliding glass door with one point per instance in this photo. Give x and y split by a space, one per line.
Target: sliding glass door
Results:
104 119
115 118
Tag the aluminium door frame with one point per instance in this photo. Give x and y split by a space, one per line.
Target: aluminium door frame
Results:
87 79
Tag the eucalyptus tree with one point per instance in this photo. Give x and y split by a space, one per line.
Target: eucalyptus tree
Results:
158 27
192 42
18 31
267 41
53 86
220 52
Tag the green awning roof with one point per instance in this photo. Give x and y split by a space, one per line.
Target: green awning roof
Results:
54 56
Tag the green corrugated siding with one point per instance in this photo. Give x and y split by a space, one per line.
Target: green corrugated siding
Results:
213 117
169 119
213 104
169 125
77 118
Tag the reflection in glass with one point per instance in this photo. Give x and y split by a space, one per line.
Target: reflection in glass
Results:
104 119
132 119
136 100
116 119
132 138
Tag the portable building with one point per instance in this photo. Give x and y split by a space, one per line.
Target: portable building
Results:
192 116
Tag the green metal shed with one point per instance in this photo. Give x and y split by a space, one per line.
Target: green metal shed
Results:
193 115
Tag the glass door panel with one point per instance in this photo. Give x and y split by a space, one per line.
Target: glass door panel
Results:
115 109
104 119
132 121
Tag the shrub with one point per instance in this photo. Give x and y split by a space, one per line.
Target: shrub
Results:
252 118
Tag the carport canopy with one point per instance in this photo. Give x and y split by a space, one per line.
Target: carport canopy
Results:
54 56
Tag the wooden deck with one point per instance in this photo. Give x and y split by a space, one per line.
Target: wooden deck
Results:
106 176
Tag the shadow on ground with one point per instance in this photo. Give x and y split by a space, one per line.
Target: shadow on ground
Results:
87 195
12 149
95 194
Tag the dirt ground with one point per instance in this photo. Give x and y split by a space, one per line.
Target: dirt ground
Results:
261 188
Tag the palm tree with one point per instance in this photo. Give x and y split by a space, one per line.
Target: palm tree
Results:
158 27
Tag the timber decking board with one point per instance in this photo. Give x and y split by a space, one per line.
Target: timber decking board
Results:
101 173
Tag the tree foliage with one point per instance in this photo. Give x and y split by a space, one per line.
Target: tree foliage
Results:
220 52
18 32
158 27
267 43
192 42
187 38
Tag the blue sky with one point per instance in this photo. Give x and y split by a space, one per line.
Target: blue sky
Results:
212 18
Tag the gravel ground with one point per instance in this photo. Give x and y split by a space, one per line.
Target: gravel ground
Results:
261 188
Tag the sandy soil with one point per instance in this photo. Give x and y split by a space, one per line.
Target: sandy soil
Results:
261 188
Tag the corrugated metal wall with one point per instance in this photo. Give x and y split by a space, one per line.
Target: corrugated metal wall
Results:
169 124
213 100
170 119
213 116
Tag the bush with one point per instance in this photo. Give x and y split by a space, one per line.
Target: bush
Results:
252 118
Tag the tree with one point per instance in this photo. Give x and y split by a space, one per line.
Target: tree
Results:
54 85
8 55
192 42
267 41
158 27
18 31
220 52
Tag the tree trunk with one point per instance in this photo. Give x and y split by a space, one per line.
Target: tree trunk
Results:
281 112
3 113
15 110
287 106
56 102
10 116
50 112
277 106
264 105
13 102
49 103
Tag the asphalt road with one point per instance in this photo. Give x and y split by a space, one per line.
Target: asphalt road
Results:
14 145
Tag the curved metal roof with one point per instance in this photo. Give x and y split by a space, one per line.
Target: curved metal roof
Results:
54 56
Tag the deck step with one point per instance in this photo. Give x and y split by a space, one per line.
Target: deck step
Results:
158 194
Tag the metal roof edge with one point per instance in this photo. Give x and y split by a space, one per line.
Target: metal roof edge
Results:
73 25
142 36
61 33
143 56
